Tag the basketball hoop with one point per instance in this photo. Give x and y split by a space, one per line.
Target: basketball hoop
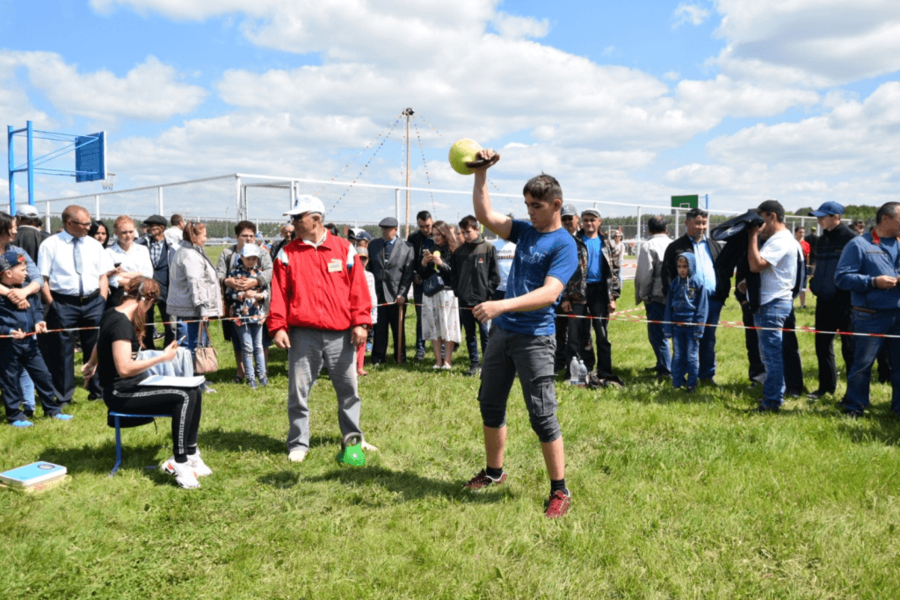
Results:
109 182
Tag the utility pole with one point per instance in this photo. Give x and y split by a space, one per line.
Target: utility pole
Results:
408 112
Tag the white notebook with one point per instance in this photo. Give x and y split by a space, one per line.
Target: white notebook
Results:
171 381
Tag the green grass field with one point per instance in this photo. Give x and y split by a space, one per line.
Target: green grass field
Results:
674 496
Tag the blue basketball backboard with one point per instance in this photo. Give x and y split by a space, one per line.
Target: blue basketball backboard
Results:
90 157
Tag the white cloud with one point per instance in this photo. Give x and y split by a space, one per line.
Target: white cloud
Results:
689 13
520 27
724 97
847 154
15 107
150 91
814 42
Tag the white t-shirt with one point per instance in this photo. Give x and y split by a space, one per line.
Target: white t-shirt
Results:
778 279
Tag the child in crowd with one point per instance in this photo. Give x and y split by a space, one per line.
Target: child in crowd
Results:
250 308
475 276
20 350
362 253
687 305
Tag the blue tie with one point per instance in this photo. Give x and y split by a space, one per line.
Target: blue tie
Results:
79 264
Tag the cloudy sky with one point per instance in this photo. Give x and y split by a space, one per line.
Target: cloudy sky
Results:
627 102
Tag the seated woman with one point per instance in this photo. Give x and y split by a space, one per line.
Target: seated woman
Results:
121 372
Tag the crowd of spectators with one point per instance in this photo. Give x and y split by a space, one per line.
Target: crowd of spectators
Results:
72 278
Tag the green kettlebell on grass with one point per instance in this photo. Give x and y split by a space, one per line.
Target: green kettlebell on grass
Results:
351 451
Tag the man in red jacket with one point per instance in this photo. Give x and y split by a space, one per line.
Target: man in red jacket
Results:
320 312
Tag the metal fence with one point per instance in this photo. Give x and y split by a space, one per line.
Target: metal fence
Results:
223 201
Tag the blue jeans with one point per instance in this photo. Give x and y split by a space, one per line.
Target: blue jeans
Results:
708 341
251 336
866 350
687 356
192 331
657 335
773 315
26 386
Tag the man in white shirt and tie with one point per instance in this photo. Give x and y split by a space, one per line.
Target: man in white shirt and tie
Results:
75 267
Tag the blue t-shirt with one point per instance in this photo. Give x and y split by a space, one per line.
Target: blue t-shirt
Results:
538 255
595 259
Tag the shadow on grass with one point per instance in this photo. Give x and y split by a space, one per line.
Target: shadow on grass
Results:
238 441
879 425
410 485
90 459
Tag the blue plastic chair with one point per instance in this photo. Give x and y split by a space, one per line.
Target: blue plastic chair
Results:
116 416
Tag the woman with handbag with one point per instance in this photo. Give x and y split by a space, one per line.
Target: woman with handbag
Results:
195 296
115 359
440 307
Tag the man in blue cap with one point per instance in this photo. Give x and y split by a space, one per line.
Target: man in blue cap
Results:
832 304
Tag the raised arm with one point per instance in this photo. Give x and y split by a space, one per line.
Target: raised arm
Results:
481 200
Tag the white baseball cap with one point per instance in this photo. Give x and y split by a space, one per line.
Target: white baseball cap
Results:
304 204
250 250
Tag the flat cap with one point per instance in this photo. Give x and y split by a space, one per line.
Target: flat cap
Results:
388 222
155 220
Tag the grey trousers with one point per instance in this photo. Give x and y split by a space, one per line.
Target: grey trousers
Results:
310 350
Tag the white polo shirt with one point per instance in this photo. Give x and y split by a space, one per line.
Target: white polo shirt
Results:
56 262
136 260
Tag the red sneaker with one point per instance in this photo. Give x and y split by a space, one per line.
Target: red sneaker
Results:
558 505
482 481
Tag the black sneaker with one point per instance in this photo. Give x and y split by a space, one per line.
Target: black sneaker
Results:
420 355
816 395
690 390
710 382
473 371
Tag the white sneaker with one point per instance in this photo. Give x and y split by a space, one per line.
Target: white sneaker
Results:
183 472
197 464
368 447
297 455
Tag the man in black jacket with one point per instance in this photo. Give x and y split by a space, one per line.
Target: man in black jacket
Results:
572 334
707 251
475 276
832 304
391 262
419 240
29 236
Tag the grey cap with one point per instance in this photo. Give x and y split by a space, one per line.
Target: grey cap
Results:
568 210
388 222
27 210
593 212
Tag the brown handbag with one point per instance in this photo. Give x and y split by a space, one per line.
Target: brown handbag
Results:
206 359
